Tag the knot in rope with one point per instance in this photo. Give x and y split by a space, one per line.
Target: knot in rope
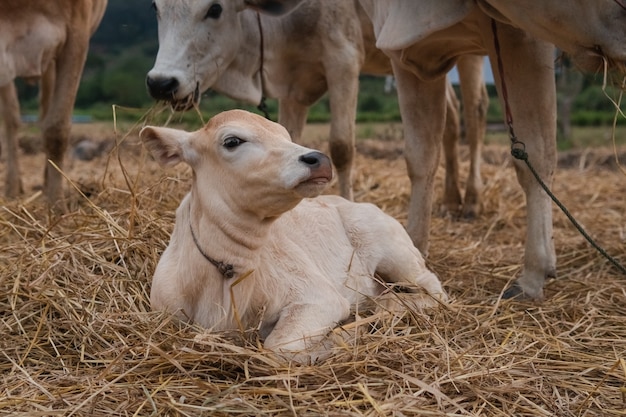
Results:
227 270
518 150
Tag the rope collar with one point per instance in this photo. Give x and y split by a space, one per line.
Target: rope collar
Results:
262 105
227 270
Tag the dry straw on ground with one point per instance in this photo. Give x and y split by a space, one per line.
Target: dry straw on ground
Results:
78 337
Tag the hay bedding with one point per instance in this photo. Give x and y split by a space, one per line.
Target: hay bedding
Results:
78 337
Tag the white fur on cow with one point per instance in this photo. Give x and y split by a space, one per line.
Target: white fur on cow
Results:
296 265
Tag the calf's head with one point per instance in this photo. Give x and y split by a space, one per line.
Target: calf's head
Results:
242 162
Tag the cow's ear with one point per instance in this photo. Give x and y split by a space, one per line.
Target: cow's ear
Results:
165 144
273 7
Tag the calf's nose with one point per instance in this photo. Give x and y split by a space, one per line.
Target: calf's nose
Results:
162 88
318 163
314 159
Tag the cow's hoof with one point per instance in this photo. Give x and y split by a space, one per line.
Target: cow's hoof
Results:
514 292
471 211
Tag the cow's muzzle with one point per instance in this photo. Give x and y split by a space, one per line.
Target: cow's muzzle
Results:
165 89
162 88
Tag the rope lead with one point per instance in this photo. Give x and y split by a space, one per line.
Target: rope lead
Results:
263 108
518 150
522 155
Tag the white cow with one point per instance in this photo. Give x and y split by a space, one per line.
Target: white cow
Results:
252 248
321 46
47 41
424 39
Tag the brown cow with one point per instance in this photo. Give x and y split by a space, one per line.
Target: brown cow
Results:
47 41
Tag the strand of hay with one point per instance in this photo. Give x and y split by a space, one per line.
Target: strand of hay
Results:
79 339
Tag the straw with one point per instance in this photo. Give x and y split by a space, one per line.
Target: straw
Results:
79 339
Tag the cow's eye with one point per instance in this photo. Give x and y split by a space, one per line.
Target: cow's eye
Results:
214 11
232 142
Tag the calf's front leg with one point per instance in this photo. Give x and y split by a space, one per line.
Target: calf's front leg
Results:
302 327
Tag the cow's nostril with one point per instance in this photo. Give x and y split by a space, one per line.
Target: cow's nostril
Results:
162 88
313 159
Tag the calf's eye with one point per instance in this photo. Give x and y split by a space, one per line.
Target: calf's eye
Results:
232 142
214 11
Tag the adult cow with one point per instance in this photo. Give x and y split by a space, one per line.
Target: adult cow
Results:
321 46
47 41
425 38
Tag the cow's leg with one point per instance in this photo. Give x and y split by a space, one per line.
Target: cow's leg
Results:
46 91
56 124
343 90
10 106
475 102
452 199
529 76
292 116
422 106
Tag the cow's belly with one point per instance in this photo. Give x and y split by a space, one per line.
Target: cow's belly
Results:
27 49
437 53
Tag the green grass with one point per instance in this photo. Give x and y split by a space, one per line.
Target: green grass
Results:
582 137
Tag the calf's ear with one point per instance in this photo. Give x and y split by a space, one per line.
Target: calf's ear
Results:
165 144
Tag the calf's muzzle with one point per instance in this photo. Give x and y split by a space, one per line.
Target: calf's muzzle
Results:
319 164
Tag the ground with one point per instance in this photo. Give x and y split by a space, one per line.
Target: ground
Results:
79 337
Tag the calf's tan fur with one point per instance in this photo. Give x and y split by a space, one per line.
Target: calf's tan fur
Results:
300 264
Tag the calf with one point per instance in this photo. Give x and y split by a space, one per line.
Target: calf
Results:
251 246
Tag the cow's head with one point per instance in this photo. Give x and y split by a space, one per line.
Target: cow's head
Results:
198 39
243 161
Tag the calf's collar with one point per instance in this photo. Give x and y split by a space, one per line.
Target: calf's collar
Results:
227 270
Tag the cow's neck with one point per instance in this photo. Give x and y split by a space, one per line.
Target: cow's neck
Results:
242 79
